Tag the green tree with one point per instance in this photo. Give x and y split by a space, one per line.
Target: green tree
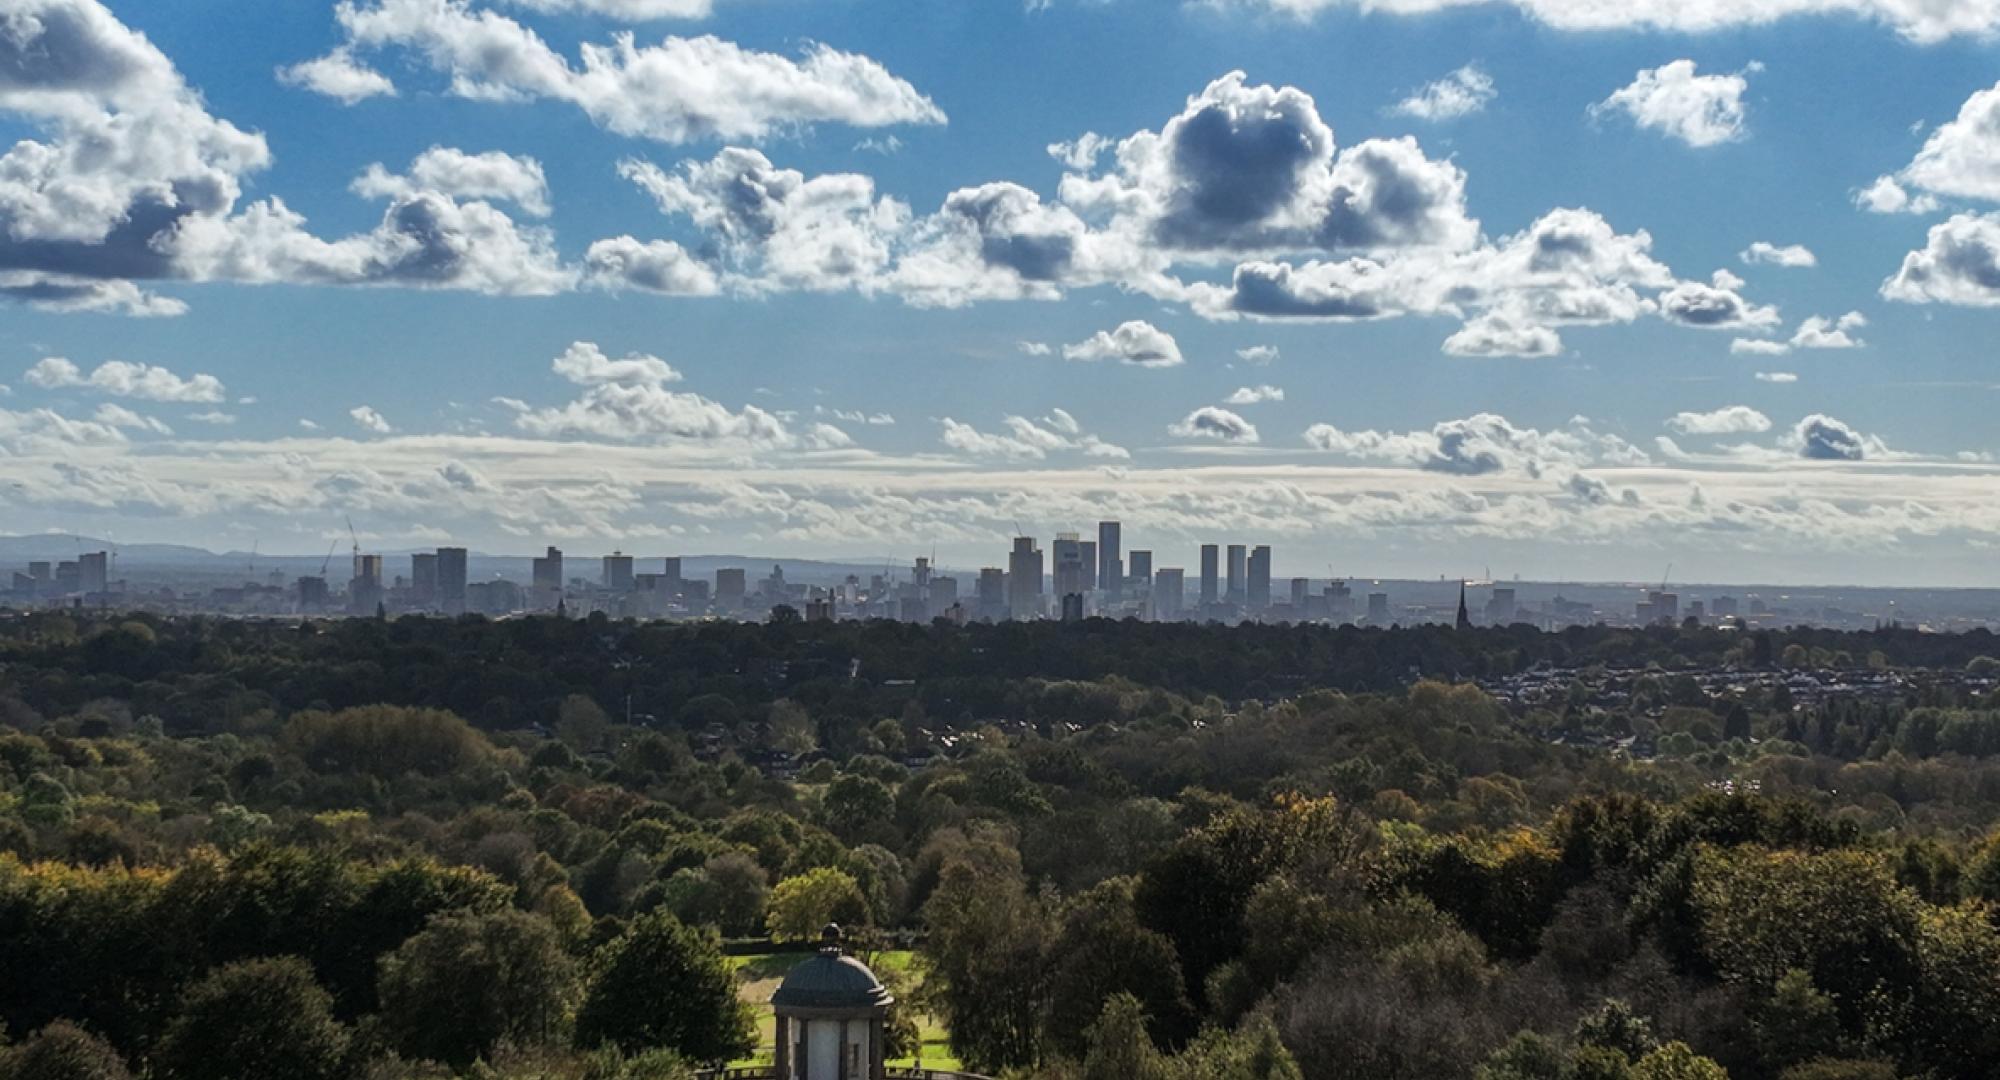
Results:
1102 951
859 807
1614 1026
1527 1056
255 1018
1797 1023
386 741
1675 1061
62 1051
728 892
1254 1051
471 982
582 724
801 906
988 972
789 728
1118 1048
662 984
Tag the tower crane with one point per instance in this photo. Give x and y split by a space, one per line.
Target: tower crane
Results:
328 561
357 543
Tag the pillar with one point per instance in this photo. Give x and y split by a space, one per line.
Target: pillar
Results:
877 1061
841 1069
784 1035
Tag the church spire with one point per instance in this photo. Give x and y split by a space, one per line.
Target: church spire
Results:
1464 616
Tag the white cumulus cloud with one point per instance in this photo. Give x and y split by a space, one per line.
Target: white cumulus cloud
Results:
1211 422
678 90
1255 395
1793 256
1461 93
1136 342
1730 420
120 378
368 419
1700 110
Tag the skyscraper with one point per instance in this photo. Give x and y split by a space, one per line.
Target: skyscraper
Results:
1110 558
1301 594
548 572
1024 579
618 572
731 586
451 580
991 601
1239 574
1378 609
424 579
93 572
1089 565
1169 593
670 569
1259 592
1142 571
1211 558
1339 602
364 591
1067 556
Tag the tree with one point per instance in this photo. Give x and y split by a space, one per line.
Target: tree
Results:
728 892
1839 917
255 1018
988 970
1797 1023
1102 952
582 724
859 807
802 906
1527 1056
62 1051
789 728
1675 1061
663 984
1254 1051
386 741
1614 1026
471 982
1118 1047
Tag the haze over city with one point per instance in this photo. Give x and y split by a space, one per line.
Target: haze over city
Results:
1544 289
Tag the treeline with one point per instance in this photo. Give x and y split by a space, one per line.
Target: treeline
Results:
197 674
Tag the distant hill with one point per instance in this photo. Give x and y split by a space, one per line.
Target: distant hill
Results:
58 546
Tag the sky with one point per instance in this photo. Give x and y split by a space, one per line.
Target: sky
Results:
1561 289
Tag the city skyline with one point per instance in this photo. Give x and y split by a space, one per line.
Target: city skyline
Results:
1558 290
1071 581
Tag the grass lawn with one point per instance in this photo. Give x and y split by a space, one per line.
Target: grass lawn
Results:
760 978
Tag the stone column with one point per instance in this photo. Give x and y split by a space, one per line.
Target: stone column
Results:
784 1033
878 1068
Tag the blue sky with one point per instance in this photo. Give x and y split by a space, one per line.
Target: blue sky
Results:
446 276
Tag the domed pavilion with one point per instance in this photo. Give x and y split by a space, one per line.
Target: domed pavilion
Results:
831 1012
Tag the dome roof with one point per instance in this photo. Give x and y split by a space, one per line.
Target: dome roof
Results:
831 980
